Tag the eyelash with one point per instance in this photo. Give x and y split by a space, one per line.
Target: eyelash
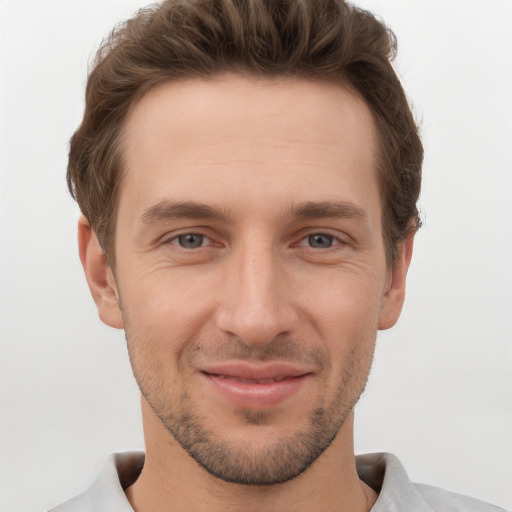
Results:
334 241
176 240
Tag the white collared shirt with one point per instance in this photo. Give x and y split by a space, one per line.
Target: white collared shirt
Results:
381 471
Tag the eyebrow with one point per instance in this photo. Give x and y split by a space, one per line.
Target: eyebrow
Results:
172 210
329 210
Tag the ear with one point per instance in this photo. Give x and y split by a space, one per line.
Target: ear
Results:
100 277
393 299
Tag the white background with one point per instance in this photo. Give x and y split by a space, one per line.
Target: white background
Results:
440 395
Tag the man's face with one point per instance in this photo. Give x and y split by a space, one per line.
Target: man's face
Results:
250 267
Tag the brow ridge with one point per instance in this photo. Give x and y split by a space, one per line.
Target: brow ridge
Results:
170 210
329 209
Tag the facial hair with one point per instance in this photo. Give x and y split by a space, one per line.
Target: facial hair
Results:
282 458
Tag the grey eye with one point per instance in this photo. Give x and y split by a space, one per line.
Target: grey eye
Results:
320 241
191 241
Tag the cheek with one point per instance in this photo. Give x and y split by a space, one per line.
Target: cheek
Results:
344 318
166 310
345 307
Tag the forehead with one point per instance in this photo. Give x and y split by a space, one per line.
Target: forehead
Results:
236 139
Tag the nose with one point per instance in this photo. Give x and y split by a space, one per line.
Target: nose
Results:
256 300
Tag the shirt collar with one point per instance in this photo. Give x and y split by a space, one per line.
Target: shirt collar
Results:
383 472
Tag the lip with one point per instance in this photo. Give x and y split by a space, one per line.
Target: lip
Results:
255 387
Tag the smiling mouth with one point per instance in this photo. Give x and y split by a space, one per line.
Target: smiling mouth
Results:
271 380
255 388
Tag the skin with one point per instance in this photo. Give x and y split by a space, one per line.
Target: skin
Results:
277 182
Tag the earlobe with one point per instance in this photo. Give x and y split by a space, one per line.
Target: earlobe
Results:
393 299
99 275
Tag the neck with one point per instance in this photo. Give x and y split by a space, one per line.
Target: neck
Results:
171 480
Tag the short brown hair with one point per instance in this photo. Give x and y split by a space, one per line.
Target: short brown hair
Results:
326 40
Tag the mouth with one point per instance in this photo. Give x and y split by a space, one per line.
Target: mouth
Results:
253 387
278 378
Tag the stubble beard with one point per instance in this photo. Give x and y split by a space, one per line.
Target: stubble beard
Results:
246 463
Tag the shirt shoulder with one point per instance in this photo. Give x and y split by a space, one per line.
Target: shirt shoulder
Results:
386 475
107 492
441 499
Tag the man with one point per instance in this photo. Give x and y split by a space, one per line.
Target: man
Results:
248 173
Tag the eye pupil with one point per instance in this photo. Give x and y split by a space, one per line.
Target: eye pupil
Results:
190 241
320 241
